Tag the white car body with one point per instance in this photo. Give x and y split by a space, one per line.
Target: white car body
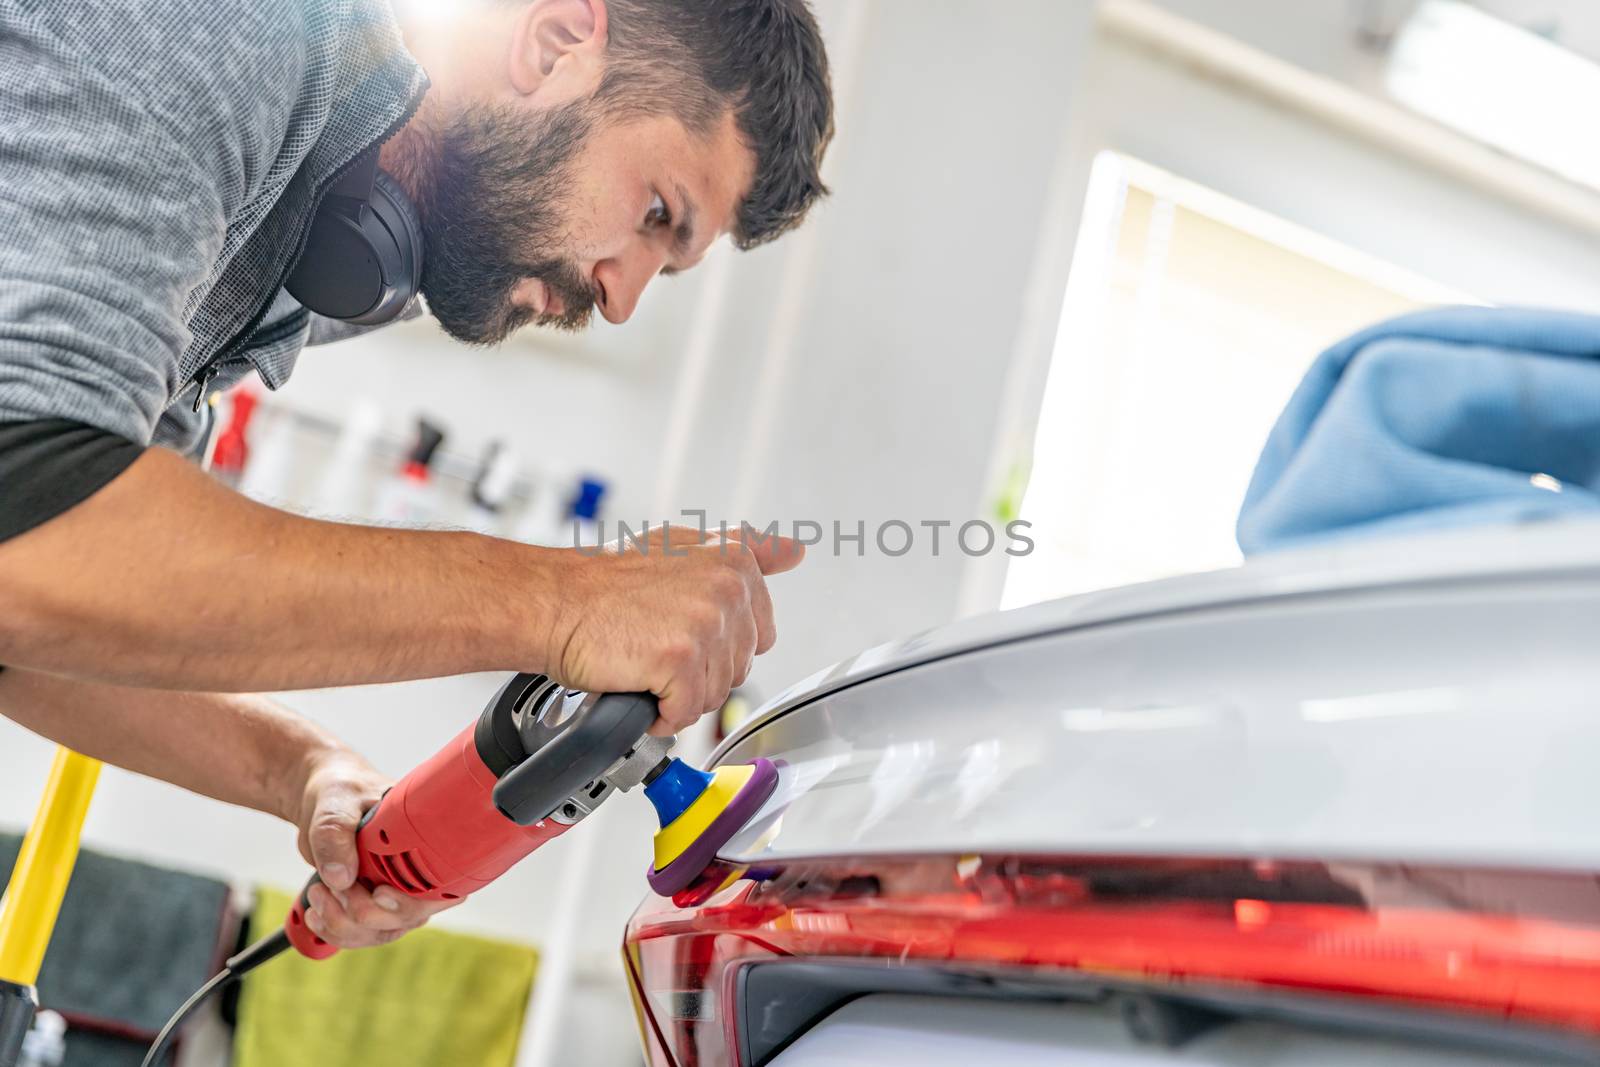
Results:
1367 708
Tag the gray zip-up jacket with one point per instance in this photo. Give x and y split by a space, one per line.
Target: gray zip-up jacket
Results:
159 166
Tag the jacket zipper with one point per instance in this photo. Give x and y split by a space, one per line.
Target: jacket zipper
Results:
204 375
207 373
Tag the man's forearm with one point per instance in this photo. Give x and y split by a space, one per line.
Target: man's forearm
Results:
239 749
166 579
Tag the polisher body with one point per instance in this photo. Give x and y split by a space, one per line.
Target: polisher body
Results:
435 835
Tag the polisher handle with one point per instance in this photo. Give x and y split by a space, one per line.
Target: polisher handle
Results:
574 753
301 936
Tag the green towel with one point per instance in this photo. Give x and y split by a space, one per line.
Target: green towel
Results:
430 998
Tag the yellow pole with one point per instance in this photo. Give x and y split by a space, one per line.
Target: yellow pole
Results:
44 866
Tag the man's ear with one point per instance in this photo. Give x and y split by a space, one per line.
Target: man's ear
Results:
556 41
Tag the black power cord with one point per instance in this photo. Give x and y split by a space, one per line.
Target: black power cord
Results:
237 967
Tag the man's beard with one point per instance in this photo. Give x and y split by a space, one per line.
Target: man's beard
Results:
490 183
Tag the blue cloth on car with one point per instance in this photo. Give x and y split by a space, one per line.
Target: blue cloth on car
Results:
1439 419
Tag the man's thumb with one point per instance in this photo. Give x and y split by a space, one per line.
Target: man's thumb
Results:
333 841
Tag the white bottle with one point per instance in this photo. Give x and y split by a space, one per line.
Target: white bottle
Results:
497 477
540 522
269 477
583 515
343 490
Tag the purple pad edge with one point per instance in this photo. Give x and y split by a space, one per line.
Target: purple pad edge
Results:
678 874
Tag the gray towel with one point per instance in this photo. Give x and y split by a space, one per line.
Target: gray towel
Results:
133 941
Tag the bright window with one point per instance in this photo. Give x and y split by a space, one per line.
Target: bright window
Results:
1188 320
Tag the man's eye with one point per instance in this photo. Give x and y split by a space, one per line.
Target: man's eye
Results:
658 215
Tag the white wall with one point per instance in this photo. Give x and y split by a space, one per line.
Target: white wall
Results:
1335 183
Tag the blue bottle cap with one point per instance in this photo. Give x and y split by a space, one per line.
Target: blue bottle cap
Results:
586 505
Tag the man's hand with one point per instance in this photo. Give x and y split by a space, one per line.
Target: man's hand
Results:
339 788
683 618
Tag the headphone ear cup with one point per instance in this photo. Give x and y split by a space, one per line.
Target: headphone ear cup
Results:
362 261
399 215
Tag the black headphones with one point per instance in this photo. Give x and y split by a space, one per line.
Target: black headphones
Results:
363 259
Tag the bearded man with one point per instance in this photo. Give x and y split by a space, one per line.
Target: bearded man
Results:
167 176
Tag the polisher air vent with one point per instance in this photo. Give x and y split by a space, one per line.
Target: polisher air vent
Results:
406 871
545 705
536 697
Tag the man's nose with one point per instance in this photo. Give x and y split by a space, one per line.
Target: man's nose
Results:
622 280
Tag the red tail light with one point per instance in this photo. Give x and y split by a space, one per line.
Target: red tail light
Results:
1506 945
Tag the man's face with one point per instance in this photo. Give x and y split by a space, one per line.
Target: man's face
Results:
544 218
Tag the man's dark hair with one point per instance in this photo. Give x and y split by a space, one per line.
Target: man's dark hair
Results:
763 58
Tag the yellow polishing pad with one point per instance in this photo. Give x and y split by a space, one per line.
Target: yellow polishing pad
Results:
673 838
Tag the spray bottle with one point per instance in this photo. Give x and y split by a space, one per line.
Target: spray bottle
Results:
492 488
410 497
231 453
